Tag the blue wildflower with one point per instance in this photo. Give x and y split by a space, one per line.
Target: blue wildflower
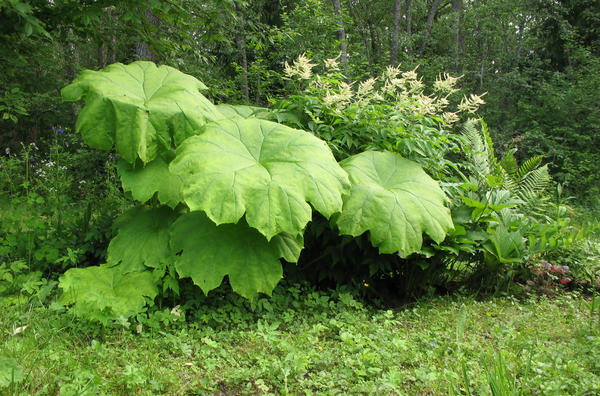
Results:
60 130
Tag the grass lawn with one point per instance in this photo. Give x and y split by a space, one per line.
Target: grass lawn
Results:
306 342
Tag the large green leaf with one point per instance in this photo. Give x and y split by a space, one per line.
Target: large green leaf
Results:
140 108
104 292
505 246
145 181
393 199
243 111
210 252
143 239
268 171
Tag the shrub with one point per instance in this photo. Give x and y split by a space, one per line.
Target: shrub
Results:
225 192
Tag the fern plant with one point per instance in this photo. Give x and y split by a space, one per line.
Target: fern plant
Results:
223 191
527 182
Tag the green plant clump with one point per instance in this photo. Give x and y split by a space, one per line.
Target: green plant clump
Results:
223 191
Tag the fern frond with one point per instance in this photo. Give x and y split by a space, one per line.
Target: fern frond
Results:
508 181
478 149
528 166
536 180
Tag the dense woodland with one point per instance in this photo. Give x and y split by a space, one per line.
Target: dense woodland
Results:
536 61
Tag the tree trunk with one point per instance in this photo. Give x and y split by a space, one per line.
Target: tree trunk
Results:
240 42
520 44
142 50
408 14
457 10
429 24
396 33
102 54
106 53
363 34
374 46
341 33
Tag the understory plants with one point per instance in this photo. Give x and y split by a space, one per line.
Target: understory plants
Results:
507 216
384 186
224 191
57 207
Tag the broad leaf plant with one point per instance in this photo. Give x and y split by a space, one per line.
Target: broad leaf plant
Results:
225 191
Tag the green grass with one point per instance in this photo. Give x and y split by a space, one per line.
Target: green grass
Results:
306 342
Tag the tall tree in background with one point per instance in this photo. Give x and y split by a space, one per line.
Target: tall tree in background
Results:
240 41
341 34
396 33
429 24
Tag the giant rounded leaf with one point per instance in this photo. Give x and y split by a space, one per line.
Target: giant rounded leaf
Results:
207 253
144 181
140 108
266 170
94 290
393 199
142 240
244 111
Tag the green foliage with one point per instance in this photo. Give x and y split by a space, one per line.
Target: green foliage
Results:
276 344
241 191
103 293
10 372
52 220
142 240
266 170
385 183
144 182
210 252
242 111
139 108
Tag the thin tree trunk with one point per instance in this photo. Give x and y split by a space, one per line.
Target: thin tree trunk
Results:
408 14
240 42
483 61
142 50
341 33
102 54
374 47
396 33
113 38
362 34
457 9
103 48
429 24
72 66
519 46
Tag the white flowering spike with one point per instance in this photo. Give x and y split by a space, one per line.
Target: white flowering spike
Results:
366 87
289 71
301 68
411 75
331 64
471 104
304 67
391 72
416 86
450 118
445 83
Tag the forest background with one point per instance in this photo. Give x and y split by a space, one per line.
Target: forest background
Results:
536 61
